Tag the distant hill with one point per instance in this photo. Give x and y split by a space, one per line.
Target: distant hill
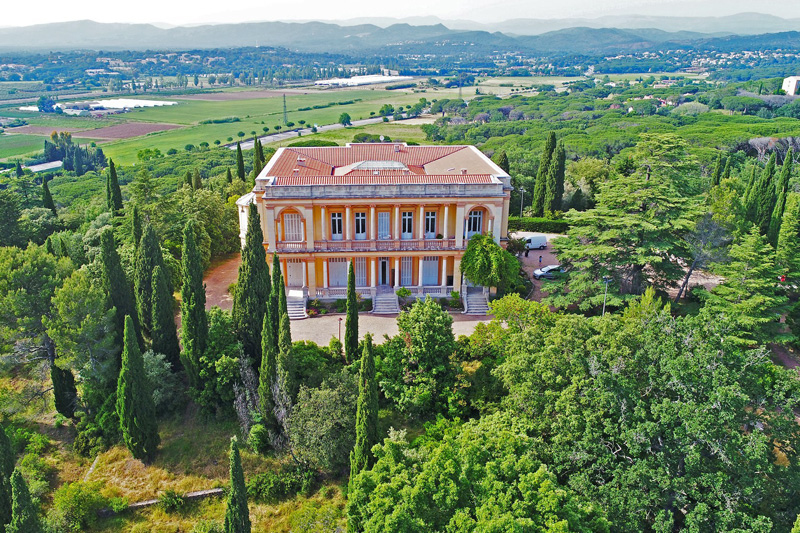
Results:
368 38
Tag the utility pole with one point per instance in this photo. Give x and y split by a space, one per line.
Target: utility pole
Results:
285 115
606 280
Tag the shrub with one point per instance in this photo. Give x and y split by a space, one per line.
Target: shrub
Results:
118 505
273 487
542 225
403 292
75 506
258 440
170 501
208 526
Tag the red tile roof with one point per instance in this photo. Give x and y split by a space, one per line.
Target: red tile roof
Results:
318 165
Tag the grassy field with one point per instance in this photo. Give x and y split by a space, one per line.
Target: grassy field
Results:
18 145
394 130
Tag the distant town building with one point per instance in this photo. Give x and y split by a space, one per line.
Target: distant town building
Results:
791 85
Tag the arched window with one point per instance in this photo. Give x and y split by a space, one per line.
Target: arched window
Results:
475 222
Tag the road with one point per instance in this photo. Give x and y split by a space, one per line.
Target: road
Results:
286 135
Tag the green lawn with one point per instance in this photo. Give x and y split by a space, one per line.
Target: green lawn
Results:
395 131
19 145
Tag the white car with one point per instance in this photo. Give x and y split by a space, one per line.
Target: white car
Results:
546 272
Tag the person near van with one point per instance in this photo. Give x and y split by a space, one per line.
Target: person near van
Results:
540 261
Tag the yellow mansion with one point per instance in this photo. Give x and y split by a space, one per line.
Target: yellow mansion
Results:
403 214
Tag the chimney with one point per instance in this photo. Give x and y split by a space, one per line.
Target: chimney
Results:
295 172
301 161
396 147
463 170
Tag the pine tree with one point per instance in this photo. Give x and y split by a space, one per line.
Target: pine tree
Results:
117 285
240 162
717 174
162 329
148 257
7 461
268 373
135 408
780 203
136 226
65 395
24 515
197 181
366 412
237 514
351 320
47 198
228 176
116 193
194 321
252 289
501 159
540 185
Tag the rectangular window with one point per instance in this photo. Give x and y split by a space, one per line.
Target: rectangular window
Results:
361 271
406 272
361 226
337 272
336 226
430 271
474 223
407 225
430 224
384 231
292 227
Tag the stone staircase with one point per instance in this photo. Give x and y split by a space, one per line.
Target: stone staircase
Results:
385 302
476 302
296 308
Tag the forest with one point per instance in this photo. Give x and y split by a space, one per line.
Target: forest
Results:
622 395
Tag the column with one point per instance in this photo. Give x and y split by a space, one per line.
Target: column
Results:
504 224
270 220
305 274
495 221
373 224
373 277
309 226
421 232
396 272
324 224
457 274
325 273
312 278
446 222
396 222
419 281
491 226
444 272
460 225
347 235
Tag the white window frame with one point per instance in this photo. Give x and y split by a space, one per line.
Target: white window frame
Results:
407 223
430 271
361 225
384 225
474 220
340 281
292 227
430 224
406 271
337 226
361 271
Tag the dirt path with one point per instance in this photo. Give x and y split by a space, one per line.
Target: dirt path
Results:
784 357
218 278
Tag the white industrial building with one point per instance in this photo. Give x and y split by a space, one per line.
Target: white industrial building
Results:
791 85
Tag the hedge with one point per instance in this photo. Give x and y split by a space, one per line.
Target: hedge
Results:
543 225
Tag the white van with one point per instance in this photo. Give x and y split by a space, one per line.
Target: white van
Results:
536 241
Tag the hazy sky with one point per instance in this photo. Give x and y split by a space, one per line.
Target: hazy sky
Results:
17 13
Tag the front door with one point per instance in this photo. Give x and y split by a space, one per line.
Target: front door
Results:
383 269
294 273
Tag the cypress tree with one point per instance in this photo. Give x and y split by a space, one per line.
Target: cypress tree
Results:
268 373
751 183
116 193
228 176
108 192
762 199
252 289
19 172
135 408
366 412
47 198
197 181
256 164
7 461
162 329
261 152
282 304
274 299
351 320
116 284
136 226
237 514
187 179
717 174
194 321
148 257
727 172
240 162
780 203
65 395
540 185
24 515
787 260
554 186
501 159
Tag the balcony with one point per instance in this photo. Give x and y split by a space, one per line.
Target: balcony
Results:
295 246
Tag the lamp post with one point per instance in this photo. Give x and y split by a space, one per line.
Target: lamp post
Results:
606 280
340 329
521 197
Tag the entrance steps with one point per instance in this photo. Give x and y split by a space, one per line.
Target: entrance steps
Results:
385 302
296 308
476 302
